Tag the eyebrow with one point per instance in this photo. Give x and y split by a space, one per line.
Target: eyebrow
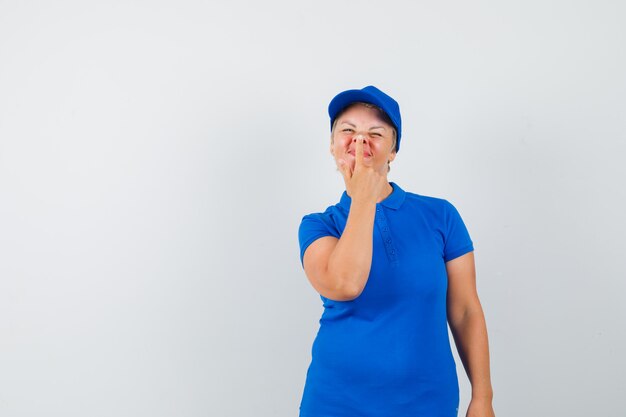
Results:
373 127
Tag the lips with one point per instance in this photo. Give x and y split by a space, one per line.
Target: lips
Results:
366 154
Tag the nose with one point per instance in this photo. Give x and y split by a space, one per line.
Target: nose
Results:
365 142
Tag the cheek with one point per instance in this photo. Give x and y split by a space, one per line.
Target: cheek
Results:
379 147
340 144
342 140
383 146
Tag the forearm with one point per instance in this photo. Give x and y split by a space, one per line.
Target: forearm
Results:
351 259
470 336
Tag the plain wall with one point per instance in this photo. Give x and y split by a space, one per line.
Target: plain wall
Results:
156 159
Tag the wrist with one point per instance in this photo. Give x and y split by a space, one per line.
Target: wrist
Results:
483 395
363 204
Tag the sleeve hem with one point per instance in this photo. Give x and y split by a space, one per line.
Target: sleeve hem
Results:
308 243
456 253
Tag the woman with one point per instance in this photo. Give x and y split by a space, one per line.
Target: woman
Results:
393 269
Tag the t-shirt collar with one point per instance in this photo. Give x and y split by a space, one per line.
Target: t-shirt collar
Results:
393 200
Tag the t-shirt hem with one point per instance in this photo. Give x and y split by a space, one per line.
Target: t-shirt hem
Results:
337 415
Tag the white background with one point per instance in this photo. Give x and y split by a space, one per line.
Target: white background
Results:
156 159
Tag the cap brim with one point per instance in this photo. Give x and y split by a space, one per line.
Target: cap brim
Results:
342 100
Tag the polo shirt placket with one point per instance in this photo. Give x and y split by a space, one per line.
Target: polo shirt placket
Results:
383 227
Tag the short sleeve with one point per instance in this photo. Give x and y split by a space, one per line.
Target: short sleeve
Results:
312 227
458 241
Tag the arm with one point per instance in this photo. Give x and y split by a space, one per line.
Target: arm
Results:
467 323
338 268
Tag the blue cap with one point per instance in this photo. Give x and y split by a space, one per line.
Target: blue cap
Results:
372 95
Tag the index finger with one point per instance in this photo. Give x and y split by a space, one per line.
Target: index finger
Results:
358 153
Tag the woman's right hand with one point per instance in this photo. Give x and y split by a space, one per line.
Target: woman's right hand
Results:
364 183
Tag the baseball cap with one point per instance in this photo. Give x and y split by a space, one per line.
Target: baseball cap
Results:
371 95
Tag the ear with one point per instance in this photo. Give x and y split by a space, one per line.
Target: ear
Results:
392 156
332 151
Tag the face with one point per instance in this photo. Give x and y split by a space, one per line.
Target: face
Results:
361 121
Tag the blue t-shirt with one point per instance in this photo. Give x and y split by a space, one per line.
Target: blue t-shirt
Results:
387 352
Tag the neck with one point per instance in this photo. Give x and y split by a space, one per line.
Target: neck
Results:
386 193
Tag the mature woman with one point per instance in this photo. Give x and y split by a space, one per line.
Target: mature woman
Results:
393 269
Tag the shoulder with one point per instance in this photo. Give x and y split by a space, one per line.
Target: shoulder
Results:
329 220
325 216
425 200
428 204
439 212
316 225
